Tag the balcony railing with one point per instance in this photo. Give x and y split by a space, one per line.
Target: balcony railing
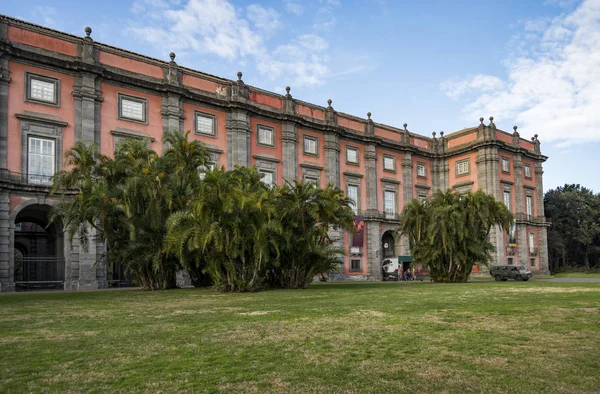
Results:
22 178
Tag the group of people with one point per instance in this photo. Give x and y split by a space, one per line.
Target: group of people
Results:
406 275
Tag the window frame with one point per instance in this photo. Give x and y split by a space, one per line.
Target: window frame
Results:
29 174
458 163
355 149
525 168
506 160
272 173
213 117
506 192
263 127
529 205
128 97
43 78
359 269
531 241
310 138
393 159
424 166
395 203
356 207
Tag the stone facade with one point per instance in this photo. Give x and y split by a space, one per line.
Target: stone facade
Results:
90 79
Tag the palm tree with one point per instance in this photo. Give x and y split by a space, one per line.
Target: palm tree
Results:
450 232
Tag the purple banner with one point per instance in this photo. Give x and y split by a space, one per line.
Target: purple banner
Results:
359 231
512 234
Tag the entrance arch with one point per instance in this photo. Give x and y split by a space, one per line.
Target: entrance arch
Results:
37 248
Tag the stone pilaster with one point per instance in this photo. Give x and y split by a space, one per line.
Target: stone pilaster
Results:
172 113
289 141
371 179
238 138
332 159
6 279
543 245
374 252
87 263
71 252
87 100
523 251
4 81
541 216
407 177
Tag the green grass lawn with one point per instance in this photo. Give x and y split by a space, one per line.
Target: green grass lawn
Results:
351 337
577 275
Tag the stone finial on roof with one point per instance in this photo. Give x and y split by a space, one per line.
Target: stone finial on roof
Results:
405 126
515 129
481 120
441 134
492 122
172 56
535 136
88 31
369 115
239 75
433 134
329 104
287 94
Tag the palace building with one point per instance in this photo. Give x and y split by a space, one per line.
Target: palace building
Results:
57 88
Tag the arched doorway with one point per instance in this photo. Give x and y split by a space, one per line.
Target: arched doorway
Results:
38 250
389 261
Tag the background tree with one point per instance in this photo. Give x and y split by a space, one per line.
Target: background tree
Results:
449 232
574 233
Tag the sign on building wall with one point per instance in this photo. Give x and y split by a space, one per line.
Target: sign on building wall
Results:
512 234
359 231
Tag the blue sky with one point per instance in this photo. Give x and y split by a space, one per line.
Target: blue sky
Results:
436 65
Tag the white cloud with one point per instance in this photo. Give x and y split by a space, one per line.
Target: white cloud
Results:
217 27
455 88
293 7
553 88
265 19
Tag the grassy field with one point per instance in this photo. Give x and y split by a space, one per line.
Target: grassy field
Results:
354 337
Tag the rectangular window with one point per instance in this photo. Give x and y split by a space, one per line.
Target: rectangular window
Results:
42 89
354 250
355 265
505 164
389 203
389 163
267 177
510 261
206 124
41 154
351 155
527 169
352 193
310 145
422 197
421 170
529 206
507 199
202 170
462 167
311 180
265 135
531 242
532 262
132 108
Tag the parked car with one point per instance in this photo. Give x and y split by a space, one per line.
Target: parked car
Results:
505 272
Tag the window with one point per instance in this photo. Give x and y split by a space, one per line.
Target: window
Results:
122 137
421 170
267 177
132 108
42 89
351 155
310 145
352 193
206 124
354 250
389 203
532 262
355 265
529 206
527 169
422 197
462 167
41 161
510 261
507 199
505 164
206 168
311 179
531 242
389 163
265 135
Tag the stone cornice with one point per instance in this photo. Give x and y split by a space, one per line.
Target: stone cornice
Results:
43 118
